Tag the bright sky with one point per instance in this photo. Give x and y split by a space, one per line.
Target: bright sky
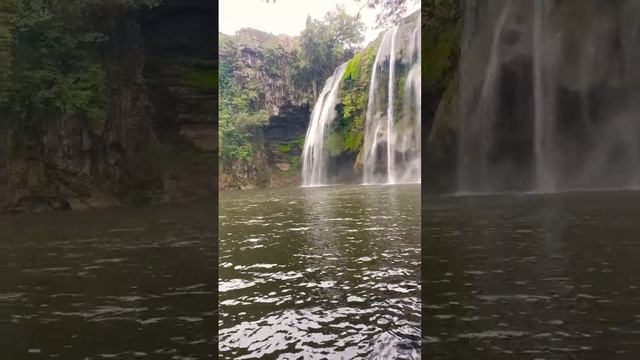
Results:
289 16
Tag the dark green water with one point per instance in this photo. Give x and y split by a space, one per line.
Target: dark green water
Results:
320 273
121 284
532 277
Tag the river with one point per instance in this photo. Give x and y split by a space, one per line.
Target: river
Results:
323 272
532 276
120 283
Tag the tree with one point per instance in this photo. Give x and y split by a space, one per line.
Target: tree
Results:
50 52
441 11
241 109
52 62
324 44
391 11
5 50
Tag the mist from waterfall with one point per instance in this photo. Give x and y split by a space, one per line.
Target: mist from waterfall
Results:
392 143
314 153
549 96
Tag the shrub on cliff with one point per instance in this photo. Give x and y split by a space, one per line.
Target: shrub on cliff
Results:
256 66
348 130
326 43
51 58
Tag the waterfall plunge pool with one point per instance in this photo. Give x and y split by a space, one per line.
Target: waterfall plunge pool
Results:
532 276
320 272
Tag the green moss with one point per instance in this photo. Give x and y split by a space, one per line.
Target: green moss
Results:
352 70
347 133
284 147
299 143
442 34
294 168
296 163
202 79
335 144
353 141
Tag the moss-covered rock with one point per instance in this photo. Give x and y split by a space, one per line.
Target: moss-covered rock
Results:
441 35
346 135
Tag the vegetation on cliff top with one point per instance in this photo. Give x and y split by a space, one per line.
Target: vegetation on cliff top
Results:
241 107
324 44
321 47
51 59
441 31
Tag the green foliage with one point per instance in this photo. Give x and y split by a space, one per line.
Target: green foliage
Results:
352 70
324 44
205 79
390 11
284 147
54 66
296 163
335 144
51 61
5 57
273 55
347 134
442 31
246 121
240 108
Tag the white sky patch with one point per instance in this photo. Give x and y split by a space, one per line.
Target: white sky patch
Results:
289 16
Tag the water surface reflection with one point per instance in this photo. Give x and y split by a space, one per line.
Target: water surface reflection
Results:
122 283
327 272
532 277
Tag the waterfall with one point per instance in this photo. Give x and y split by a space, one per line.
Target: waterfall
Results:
410 143
391 151
549 102
314 153
390 108
543 120
477 132
392 142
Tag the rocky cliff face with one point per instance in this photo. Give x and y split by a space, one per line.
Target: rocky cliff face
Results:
181 72
263 64
157 140
69 162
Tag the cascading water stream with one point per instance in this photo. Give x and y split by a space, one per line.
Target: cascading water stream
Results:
391 150
392 142
372 132
314 154
390 107
557 108
410 143
543 120
479 106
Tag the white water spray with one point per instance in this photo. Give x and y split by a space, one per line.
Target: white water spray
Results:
314 154
392 143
